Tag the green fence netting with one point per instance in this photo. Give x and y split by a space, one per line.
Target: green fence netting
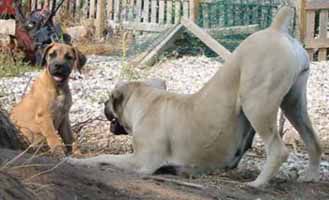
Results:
231 13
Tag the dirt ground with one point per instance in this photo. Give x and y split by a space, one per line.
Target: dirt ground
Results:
38 177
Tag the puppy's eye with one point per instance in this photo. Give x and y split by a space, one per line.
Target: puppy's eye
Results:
68 57
53 54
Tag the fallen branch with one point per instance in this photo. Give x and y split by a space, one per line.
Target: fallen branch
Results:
177 182
46 171
78 126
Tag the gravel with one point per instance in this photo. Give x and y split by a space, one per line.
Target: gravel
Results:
183 75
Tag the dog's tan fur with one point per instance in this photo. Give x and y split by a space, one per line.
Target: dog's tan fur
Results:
44 112
204 130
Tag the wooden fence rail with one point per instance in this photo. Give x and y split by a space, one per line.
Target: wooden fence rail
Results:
316 30
143 15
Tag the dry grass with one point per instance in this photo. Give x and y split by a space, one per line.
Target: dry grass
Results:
9 68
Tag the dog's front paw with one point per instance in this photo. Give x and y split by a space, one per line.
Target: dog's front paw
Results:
310 175
58 151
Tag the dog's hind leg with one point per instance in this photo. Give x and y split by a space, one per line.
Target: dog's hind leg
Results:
264 122
294 106
247 133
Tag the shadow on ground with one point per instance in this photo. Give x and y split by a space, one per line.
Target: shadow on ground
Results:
48 178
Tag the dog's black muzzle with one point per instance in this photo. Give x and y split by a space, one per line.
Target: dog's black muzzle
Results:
60 71
116 127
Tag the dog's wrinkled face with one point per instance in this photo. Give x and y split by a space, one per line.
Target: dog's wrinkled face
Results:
60 59
114 107
111 112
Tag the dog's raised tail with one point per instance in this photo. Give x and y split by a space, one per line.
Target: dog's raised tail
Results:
282 19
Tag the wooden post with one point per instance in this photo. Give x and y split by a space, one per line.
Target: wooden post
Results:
146 11
117 11
100 18
153 11
301 22
310 21
33 5
92 9
194 8
177 11
323 33
169 11
110 9
161 11
139 10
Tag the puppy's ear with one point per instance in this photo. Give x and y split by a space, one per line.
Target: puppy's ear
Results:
80 60
157 83
116 98
45 53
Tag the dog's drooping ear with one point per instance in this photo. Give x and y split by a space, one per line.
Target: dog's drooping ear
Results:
157 83
80 60
116 99
44 55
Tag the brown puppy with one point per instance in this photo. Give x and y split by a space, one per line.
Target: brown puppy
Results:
44 111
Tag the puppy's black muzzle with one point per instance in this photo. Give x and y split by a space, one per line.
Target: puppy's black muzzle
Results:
60 71
116 127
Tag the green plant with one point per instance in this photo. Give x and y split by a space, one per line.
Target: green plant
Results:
9 68
127 71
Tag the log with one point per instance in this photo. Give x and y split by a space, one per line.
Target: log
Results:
9 137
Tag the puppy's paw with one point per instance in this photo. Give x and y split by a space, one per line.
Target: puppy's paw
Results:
256 184
58 151
310 175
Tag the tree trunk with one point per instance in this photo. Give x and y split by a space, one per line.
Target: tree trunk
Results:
9 137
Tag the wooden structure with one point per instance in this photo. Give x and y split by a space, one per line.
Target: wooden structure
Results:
139 15
314 28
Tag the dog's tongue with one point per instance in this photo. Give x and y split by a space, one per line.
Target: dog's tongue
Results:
57 78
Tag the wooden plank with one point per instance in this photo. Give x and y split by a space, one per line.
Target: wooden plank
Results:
92 9
8 26
185 8
110 9
85 10
154 11
117 10
161 11
317 43
194 8
206 38
131 10
145 27
139 10
146 11
169 11
100 18
323 24
177 11
322 56
323 33
234 30
317 5
310 21
39 5
152 54
33 5
206 16
301 23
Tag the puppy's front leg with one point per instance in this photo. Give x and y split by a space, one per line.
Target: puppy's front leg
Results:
66 133
49 132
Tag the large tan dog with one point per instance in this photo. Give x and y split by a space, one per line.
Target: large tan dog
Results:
211 127
44 112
